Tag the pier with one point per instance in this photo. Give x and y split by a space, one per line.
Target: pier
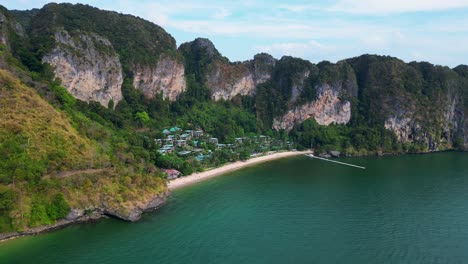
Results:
342 163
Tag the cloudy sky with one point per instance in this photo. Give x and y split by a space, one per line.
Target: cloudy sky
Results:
422 30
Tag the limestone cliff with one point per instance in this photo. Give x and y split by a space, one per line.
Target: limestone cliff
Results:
9 25
328 108
3 37
223 78
167 77
227 80
446 125
87 65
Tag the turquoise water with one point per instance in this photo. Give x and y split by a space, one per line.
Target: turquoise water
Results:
406 209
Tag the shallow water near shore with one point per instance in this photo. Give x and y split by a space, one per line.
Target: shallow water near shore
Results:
401 209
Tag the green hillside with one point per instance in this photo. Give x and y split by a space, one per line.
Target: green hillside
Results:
46 164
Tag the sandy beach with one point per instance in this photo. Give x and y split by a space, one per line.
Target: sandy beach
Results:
196 177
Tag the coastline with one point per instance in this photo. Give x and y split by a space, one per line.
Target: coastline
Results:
99 213
80 217
200 176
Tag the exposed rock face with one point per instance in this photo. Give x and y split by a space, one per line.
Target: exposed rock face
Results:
168 78
3 39
408 127
402 126
298 85
228 80
9 25
134 213
328 108
411 131
88 66
223 78
262 66
78 215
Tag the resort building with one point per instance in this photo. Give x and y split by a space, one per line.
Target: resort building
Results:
198 133
171 173
181 143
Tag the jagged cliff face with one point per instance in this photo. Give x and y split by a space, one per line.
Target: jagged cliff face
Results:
3 37
378 89
448 120
224 79
167 77
6 25
88 66
298 85
228 80
327 109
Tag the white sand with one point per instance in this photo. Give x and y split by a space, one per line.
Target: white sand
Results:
196 177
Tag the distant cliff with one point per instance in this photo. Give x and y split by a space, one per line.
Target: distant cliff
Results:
420 102
92 56
223 78
87 65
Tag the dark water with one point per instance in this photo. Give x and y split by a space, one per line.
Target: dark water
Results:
407 209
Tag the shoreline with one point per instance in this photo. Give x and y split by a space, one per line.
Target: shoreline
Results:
172 185
200 176
95 216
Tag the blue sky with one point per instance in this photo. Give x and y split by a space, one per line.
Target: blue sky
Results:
421 30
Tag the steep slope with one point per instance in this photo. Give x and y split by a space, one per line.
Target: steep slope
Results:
92 50
323 92
33 131
44 169
421 103
224 79
88 66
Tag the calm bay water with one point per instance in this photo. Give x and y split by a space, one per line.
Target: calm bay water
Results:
405 209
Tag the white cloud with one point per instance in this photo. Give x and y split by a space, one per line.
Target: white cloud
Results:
221 13
299 8
345 28
385 7
298 30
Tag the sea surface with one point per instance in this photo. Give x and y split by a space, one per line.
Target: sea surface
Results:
401 209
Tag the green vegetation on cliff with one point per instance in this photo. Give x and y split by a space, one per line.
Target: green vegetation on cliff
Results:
35 138
273 97
136 40
54 159
58 153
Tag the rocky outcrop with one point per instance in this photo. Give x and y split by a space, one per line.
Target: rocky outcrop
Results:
79 215
298 85
224 78
227 80
446 123
167 77
88 66
262 67
9 25
328 108
134 213
3 37
402 126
